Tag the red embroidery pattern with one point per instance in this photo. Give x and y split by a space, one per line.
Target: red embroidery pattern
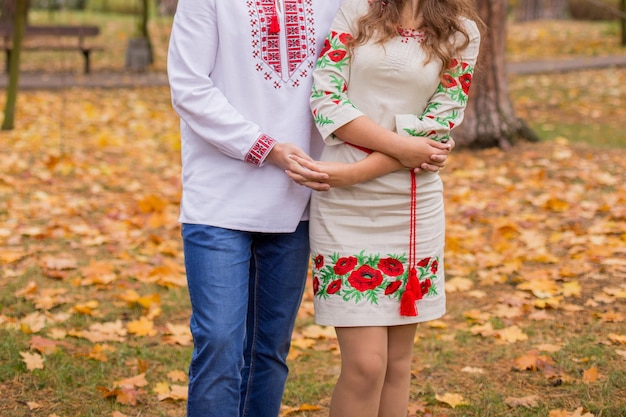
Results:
408 34
298 33
260 149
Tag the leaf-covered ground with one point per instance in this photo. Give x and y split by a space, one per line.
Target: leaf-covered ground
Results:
94 309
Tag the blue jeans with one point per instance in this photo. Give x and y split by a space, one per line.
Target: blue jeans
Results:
245 290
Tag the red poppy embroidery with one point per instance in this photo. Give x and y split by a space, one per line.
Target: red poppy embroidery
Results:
344 38
319 261
448 81
316 286
391 267
424 262
365 278
434 267
393 287
345 265
334 286
337 55
466 82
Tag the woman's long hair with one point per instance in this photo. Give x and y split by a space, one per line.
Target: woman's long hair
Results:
441 20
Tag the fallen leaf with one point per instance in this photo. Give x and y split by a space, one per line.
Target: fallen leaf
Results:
528 402
453 400
32 360
590 375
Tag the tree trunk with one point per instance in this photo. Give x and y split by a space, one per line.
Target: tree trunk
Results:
145 17
167 7
19 26
622 8
490 118
8 10
540 9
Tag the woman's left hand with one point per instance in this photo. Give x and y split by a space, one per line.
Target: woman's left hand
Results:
438 160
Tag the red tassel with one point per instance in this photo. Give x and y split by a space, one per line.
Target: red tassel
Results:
412 293
274 25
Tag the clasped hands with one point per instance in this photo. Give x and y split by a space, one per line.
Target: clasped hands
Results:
421 155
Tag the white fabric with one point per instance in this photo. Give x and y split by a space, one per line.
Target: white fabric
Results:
228 97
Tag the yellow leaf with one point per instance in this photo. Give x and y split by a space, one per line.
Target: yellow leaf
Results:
87 307
319 332
33 323
619 339
177 376
547 347
437 324
10 256
136 381
453 400
141 327
511 334
176 393
472 370
162 388
33 405
572 289
32 360
59 262
528 402
459 285
541 288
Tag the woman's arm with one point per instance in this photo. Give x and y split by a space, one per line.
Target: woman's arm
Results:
342 174
339 120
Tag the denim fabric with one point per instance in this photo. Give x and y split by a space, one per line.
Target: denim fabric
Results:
245 290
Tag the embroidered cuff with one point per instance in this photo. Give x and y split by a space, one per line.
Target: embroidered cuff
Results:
260 150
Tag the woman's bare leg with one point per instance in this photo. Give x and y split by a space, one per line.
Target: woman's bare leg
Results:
394 400
363 367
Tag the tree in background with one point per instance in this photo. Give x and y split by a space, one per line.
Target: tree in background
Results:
527 10
8 9
490 118
20 11
139 54
167 7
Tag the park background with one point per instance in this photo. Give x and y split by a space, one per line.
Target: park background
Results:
93 304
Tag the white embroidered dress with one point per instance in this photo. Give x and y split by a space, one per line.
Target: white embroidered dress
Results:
366 239
239 87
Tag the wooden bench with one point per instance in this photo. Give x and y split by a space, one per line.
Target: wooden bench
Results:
50 39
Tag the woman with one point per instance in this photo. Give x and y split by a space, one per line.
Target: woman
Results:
394 72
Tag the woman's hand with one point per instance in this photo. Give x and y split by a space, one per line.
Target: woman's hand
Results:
438 159
423 154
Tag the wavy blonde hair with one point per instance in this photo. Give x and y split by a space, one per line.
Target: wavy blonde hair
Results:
441 20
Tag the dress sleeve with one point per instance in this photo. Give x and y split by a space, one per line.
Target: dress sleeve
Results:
330 103
446 108
192 55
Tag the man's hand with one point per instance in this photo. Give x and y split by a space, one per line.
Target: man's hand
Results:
337 174
280 155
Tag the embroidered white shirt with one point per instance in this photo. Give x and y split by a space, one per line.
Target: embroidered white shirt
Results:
239 88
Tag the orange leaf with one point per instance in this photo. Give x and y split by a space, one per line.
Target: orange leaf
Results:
590 375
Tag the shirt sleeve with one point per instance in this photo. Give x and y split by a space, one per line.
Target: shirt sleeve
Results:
199 103
446 108
330 103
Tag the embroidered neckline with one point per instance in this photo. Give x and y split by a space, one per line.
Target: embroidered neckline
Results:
407 33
